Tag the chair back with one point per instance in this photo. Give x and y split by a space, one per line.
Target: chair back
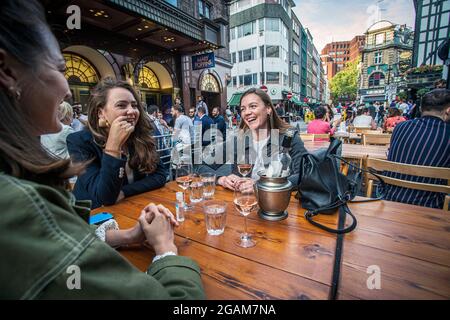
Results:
314 136
379 139
413 170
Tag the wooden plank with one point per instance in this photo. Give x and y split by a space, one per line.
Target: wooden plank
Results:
227 276
401 277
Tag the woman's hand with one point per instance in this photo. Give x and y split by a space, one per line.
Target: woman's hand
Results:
157 225
228 181
119 132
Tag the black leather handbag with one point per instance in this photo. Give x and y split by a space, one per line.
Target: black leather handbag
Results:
323 189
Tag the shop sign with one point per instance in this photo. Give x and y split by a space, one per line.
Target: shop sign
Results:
203 61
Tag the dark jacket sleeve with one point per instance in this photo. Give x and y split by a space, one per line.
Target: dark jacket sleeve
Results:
101 181
297 151
148 182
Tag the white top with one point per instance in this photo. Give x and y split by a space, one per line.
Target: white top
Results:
56 143
184 129
362 121
258 146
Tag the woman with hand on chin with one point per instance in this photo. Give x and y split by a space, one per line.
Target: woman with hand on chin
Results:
119 146
259 118
44 230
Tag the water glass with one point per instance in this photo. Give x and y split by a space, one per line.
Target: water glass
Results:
209 185
196 189
215 216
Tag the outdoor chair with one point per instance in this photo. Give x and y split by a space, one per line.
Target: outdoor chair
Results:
413 170
378 139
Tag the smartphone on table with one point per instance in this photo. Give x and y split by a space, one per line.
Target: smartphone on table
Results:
100 218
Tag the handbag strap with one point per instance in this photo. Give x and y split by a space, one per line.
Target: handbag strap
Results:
340 230
338 256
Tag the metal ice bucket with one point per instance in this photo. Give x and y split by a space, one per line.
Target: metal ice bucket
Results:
273 195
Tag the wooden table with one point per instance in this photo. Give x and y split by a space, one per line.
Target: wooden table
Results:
352 151
293 259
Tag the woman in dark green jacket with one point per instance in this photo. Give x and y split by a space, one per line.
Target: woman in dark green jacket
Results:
48 250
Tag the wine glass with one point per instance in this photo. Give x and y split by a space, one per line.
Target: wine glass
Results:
245 202
244 169
184 177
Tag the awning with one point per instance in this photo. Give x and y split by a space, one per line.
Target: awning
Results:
235 99
373 98
295 100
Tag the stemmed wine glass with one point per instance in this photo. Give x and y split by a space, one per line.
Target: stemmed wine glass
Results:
244 169
183 178
245 202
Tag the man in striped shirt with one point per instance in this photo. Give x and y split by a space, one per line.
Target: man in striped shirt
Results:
423 141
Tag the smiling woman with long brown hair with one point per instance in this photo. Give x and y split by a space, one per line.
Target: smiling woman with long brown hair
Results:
44 230
118 141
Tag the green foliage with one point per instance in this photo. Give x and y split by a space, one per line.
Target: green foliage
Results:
403 95
421 92
345 82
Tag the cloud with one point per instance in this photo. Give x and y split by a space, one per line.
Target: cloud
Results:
331 20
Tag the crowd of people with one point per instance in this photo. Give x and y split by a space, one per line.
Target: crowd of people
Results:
112 150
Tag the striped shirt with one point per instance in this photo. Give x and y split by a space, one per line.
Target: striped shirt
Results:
423 141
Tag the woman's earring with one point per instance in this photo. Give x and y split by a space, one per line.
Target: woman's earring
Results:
103 123
15 93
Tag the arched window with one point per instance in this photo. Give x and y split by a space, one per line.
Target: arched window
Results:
376 79
79 70
148 79
209 83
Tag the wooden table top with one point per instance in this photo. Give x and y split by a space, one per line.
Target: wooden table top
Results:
352 151
293 259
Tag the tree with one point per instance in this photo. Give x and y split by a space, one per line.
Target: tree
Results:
345 82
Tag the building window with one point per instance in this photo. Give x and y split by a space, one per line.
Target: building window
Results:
209 83
246 55
261 51
272 24
262 77
379 39
376 79
273 77
233 33
233 57
172 2
79 70
295 47
246 29
285 30
148 79
234 81
204 9
261 25
378 58
272 51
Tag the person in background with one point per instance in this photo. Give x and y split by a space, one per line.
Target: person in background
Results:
423 141
201 103
179 103
206 123
123 155
364 120
183 128
403 107
220 121
320 125
229 116
79 120
43 229
380 115
259 118
372 110
394 118
159 125
56 143
440 84
191 113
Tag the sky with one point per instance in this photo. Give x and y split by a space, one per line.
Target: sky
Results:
341 20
